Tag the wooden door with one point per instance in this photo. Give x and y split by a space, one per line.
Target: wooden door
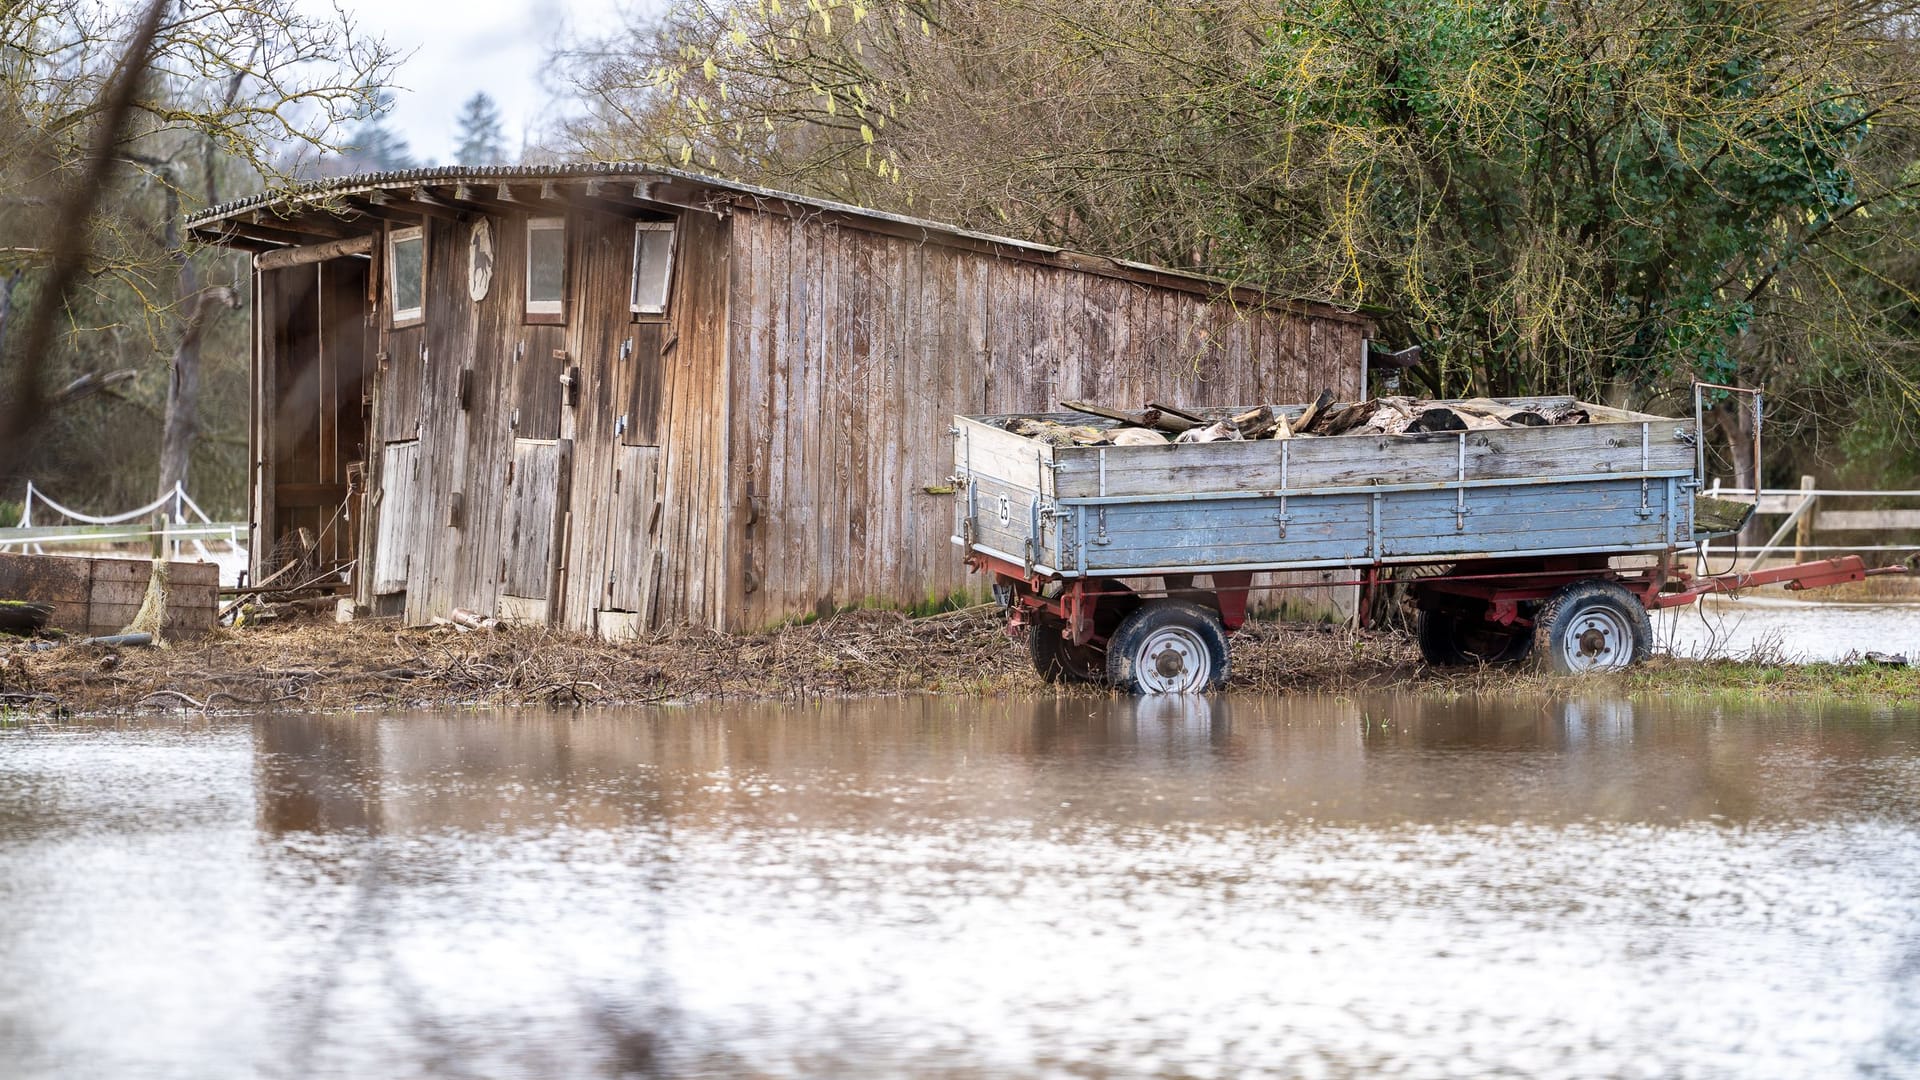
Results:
537 500
396 516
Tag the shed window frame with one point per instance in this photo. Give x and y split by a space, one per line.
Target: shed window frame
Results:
405 316
640 229
544 309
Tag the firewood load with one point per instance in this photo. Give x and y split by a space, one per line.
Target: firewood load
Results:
1160 424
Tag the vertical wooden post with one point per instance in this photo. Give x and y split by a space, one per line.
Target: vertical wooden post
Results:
558 538
1803 533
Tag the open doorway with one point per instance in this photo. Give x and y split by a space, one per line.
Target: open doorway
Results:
310 416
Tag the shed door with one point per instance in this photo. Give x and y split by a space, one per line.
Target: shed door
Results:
397 516
636 518
537 504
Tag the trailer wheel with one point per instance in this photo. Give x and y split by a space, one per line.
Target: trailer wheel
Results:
1061 661
1168 647
1449 639
1591 626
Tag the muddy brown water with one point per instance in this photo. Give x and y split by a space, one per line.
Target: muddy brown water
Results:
1299 886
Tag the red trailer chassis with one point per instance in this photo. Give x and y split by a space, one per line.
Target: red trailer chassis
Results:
1502 593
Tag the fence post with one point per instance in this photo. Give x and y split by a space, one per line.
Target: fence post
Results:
1803 534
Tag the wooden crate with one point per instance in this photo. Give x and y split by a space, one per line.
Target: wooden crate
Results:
93 595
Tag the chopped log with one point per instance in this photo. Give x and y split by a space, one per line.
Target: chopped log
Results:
1133 436
1345 418
1190 418
1223 431
473 620
1256 423
1435 418
1281 429
1105 413
1150 417
1304 425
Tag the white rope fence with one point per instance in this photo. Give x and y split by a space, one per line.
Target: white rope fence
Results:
185 521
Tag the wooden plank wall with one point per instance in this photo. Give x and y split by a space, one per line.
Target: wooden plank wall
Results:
680 370
93 596
782 422
853 349
467 544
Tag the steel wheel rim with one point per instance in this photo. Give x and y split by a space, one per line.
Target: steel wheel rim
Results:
1173 660
1597 639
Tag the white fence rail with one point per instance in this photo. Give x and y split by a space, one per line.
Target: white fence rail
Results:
1810 517
45 522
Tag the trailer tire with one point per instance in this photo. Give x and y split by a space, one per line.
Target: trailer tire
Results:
1060 661
1449 639
1168 647
1591 626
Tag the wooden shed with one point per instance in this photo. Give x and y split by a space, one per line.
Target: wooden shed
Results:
614 397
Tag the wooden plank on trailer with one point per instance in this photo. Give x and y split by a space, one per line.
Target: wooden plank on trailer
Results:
1511 453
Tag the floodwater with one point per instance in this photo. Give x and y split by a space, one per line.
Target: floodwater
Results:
1774 629
1282 886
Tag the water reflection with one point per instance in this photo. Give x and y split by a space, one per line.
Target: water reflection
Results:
922 887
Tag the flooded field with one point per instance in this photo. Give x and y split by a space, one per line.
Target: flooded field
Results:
1772 628
1302 886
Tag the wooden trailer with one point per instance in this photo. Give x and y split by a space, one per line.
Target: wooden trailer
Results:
613 397
1130 564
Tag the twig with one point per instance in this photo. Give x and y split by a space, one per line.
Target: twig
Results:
197 705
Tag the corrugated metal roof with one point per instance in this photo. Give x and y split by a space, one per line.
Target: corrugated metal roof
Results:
320 190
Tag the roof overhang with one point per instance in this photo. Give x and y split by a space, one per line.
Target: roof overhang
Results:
333 209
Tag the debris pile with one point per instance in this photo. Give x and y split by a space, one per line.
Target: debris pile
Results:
1159 424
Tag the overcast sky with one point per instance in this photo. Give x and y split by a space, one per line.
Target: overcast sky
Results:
459 47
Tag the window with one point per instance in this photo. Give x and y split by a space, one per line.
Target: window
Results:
652 266
546 265
406 274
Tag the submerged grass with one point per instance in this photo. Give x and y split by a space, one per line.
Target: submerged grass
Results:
322 666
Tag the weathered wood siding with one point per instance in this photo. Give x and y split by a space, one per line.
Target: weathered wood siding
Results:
852 349
648 528
94 595
611 490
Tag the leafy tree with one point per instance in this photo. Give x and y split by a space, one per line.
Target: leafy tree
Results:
482 140
1606 196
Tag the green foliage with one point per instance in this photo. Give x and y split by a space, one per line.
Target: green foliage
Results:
1609 197
1551 193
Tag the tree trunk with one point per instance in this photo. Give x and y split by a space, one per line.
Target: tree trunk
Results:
7 285
180 423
